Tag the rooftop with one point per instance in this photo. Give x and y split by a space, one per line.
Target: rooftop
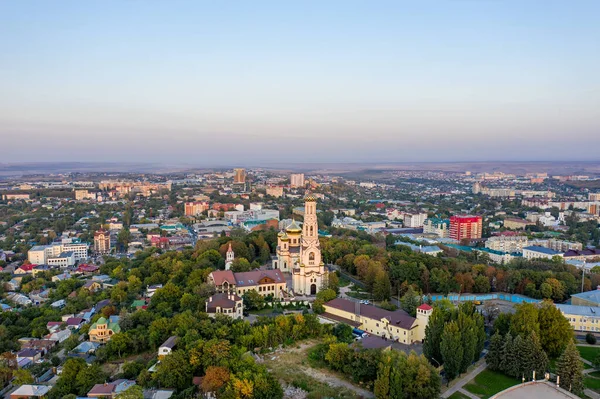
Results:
544 250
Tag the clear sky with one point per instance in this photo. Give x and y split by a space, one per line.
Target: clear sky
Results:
246 82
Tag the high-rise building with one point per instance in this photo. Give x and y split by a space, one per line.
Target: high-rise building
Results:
102 241
297 180
195 208
239 176
465 226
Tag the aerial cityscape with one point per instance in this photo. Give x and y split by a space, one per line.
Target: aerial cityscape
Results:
299 200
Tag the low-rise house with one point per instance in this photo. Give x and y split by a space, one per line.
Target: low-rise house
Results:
25 269
43 345
28 391
54 325
85 348
61 303
102 330
31 354
110 389
19 299
167 347
59 336
40 269
152 289
75 323
581 318
228 304
87 269
92 285
13 285
61 277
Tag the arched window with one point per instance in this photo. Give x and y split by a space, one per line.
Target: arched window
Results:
311 230
311 256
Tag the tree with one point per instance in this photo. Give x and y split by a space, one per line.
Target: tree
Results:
382 383
124 238
452 350
240 265
555 330
134 392
253 300
382 288
433 335
570 369
216 377
174 371
22 377
525 320
494 355
590 338
338 355
410 301
508 362
343 333
333 282
326 295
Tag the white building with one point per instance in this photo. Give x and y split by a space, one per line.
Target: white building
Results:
535 252
439 227
64 260
40 254
414 219
297 180
507 243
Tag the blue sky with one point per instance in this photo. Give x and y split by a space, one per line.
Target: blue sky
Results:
306 81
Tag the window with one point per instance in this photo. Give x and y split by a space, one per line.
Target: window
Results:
311 256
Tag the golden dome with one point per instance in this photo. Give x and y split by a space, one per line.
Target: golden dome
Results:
293 228
309 197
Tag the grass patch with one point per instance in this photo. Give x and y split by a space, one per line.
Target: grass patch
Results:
344 282
595 374
589 353
488 383
458 395
264 311
592 383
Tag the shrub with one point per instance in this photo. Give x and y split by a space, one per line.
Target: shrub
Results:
590 339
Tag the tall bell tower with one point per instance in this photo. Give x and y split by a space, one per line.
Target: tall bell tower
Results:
310 277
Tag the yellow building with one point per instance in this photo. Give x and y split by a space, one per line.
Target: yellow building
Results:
397 325
581 318
103 330
265 282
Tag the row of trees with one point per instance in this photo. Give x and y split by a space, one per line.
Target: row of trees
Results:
454 337
519 357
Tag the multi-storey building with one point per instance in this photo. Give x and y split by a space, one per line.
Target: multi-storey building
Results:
414 219
594 196
507 243
440 227
225 303
275 191
297 180
239 176
465 226
517 223
40 254
195 208
102 241
581 318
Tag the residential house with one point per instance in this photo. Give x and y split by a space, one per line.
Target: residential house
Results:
43 345
167 347
152 289
75 323
87 269
225 303
61 277
59 336
102 330
25 269
92 285
31 354
28 391
110 389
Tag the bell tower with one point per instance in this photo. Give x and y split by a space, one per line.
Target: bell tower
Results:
229 257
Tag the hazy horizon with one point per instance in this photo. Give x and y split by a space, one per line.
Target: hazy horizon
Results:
193 82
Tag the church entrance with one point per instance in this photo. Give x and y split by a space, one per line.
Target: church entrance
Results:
313 289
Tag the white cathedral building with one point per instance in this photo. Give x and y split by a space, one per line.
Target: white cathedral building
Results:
299 252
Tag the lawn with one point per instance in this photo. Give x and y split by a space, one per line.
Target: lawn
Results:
344 282
458 395
592 383
488 383
589 353
595 374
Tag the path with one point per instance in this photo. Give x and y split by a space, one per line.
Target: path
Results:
469 394
464 380
591 394
335 381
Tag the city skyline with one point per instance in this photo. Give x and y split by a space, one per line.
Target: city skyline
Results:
240 84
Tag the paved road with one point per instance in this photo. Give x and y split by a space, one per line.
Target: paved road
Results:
464 380
591 394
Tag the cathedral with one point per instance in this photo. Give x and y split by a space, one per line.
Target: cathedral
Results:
299 252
